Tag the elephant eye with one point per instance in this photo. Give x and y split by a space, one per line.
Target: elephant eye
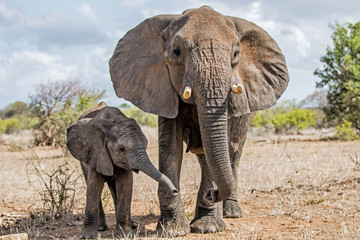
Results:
122 149
236 53
177 51
236 57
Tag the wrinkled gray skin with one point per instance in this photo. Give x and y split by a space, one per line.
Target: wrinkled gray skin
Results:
110 147
209 52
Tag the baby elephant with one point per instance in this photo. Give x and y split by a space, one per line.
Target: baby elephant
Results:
110 147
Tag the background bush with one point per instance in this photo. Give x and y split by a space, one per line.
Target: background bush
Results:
297 119
345 132
141 117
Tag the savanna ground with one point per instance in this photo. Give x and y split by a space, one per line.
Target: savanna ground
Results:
288 190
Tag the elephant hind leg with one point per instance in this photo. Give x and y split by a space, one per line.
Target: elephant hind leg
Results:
207 216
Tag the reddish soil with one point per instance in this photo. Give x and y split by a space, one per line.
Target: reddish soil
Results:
288 190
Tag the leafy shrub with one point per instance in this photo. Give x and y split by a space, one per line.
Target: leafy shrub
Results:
345 131
263 119
298 119
11 125
2 126
141 117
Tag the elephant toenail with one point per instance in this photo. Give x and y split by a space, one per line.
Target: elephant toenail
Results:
212 229
171 233
199 230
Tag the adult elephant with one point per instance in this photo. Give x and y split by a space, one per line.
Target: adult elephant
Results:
203 74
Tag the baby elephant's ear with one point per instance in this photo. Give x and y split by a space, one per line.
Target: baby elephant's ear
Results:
87 144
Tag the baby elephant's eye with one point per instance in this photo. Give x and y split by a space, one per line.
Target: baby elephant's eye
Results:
177 51
122 149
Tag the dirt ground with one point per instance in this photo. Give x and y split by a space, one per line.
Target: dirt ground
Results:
288 190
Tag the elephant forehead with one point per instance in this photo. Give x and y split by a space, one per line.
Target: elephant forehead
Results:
207 23
130 133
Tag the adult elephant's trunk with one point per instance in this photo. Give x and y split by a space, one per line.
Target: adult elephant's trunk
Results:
140 160
214 132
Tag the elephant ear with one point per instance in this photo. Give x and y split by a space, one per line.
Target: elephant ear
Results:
138 70
86 143
262 68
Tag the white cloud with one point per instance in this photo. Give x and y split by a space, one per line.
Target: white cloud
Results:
22 70
10 14
39 57
254 12
86 11
116 35
134 3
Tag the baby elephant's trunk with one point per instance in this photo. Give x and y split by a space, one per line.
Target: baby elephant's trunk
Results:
145 165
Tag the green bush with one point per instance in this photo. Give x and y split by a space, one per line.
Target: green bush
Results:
141 117
345 131
298 119
11 125
2 126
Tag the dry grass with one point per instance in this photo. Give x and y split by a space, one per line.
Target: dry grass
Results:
289 190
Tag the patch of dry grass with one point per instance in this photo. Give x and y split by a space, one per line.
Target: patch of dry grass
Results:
288 190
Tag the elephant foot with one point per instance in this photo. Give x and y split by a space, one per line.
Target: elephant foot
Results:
134 225
231 209
207 221
123 232
88 233
102 227
172 224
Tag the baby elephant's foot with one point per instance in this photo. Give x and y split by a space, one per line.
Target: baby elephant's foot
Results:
102 227
172 225
88 233
124 232
207 221
231 209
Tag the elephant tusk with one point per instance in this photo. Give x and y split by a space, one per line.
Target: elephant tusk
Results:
236 88
187 92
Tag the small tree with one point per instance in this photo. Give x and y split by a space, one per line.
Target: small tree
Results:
58 104
341 74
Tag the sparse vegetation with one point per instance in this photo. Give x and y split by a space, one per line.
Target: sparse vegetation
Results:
56 184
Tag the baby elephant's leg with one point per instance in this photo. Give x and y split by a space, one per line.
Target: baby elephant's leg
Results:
95 183
102 226
124 184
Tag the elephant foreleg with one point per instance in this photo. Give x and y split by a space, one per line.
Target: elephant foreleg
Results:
207 216
172 220
95 183
238 127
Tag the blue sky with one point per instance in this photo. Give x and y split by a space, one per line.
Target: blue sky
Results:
42 39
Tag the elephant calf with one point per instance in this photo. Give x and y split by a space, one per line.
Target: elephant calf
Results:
110 147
